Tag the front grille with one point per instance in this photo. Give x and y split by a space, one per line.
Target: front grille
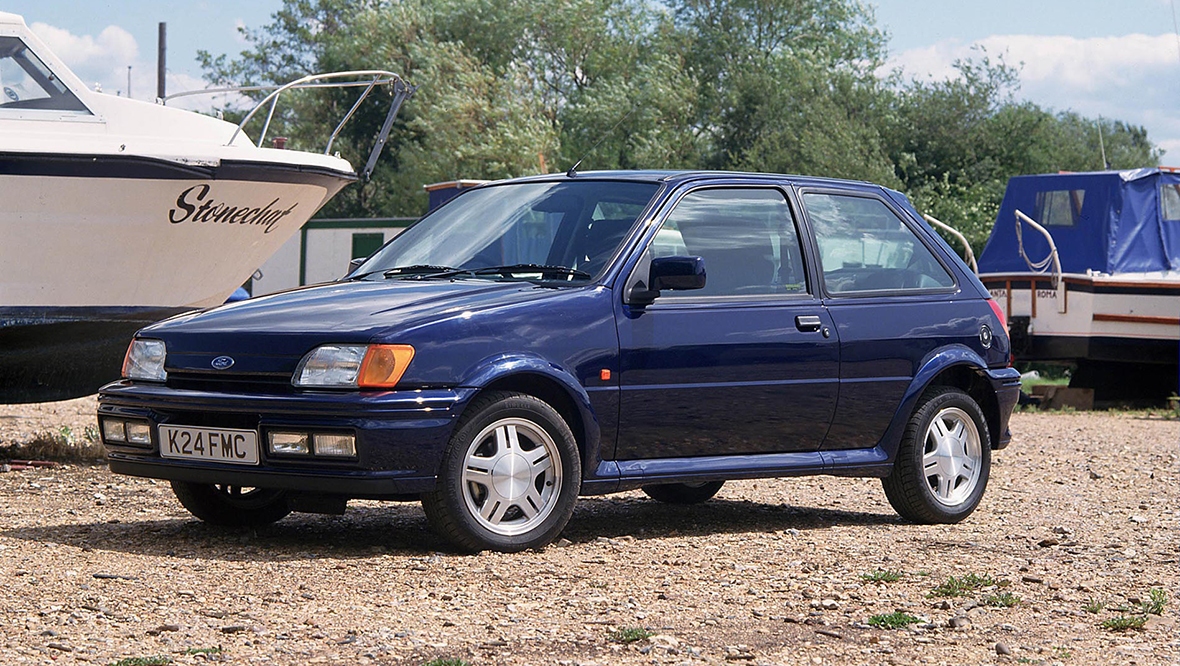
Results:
212 419
264 383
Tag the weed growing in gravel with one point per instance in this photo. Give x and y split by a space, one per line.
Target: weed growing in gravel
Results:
894 620
1125 622
881 576
157 660
1001 600
957 587
630 634
208 650
446 662
1093 606
1155 606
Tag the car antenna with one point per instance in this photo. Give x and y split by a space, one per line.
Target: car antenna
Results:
574 169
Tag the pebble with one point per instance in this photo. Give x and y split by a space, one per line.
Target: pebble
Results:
1003 649
959 622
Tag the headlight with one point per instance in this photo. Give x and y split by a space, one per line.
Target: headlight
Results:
145 360
353 366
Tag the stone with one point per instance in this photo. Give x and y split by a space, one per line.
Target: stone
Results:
1003 649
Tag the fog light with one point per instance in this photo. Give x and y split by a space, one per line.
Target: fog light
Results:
335 445
112 431
138 433
288 443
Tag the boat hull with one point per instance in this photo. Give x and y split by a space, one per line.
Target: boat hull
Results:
1122 331
62 353
95 247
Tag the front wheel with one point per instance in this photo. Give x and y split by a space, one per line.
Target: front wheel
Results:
510 476
944 460
232 506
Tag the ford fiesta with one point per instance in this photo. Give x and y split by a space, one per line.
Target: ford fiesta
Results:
538 339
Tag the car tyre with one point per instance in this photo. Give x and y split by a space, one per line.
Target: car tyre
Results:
683 493
944 461
509 478
232 506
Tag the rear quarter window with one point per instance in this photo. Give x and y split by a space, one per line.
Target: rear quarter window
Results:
865 247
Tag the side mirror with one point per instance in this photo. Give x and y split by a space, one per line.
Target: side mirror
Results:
354 264
675 273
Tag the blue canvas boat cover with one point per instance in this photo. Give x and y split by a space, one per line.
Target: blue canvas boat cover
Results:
1105 221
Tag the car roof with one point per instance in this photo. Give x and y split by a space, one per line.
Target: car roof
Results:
672 177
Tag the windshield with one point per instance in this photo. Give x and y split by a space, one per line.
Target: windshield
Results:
564 231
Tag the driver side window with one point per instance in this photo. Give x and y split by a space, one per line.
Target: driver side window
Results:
747 238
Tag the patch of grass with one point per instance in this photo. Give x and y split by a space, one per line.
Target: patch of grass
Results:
881 576
957 587
1093 606
1125 622
61 446
630 634
1001 600
1155 605
894 620
451 661
208 650
157 660
1061 654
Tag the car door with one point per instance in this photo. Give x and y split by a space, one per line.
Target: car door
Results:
892 300
746 365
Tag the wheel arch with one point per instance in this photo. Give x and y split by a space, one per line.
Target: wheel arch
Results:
556 387
962 368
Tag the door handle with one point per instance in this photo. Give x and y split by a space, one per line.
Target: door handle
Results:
808 323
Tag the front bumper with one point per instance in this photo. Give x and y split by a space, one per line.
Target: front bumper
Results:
400 436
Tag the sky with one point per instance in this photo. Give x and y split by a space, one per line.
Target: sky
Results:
1076 55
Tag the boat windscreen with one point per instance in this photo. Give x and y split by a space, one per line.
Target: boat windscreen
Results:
26 83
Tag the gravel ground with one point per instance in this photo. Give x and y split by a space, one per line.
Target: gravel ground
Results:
1082 509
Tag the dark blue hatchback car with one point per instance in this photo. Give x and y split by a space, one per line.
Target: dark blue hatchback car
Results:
537 339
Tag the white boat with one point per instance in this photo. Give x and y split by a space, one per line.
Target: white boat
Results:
1087 268
118 212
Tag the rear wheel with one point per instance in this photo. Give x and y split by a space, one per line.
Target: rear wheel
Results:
683 493
944 460
510 476
231 506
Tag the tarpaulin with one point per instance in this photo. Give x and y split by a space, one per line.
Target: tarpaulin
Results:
1105 221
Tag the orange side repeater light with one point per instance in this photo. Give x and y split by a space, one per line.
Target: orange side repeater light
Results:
384 365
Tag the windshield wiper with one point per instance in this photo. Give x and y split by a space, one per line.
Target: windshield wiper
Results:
423 271
544 269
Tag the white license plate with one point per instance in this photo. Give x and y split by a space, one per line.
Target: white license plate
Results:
214 444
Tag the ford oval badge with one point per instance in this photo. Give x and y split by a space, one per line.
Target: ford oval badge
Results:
222 363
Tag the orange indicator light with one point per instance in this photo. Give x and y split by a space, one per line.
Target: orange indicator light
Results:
383 365
604 375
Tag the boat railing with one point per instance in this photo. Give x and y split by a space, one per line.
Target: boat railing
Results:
1040 266
970 254
369 79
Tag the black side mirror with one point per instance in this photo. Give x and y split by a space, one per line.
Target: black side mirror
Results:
354 264
674 273
677 273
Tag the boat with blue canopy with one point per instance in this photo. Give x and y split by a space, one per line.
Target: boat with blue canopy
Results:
1087 269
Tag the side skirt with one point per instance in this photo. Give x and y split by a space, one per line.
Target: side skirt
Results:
614 476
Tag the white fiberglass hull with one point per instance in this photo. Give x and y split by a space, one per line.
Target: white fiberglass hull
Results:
94 248
124 242
1130 318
